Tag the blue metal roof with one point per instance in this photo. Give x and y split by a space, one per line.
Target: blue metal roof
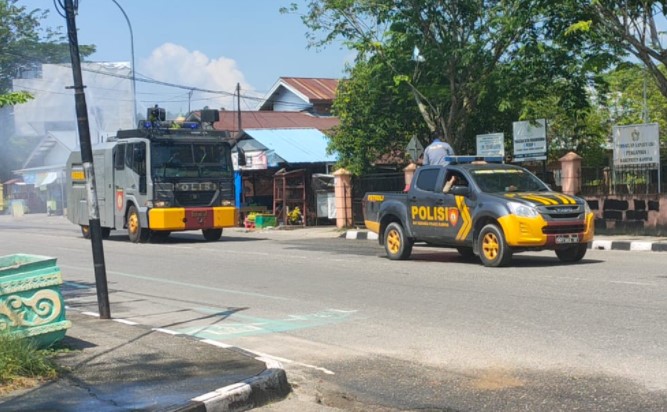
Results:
294 145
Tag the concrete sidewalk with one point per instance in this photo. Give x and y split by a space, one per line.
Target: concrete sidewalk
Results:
116 365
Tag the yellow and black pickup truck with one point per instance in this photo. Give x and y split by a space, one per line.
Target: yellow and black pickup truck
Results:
489 210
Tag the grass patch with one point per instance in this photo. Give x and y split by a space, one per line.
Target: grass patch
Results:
22 364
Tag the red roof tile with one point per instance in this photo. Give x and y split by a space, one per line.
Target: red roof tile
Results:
273 120
316 89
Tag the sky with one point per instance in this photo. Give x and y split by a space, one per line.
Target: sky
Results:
208 44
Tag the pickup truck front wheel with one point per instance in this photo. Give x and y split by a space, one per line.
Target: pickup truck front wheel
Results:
493 249
396 244
573 253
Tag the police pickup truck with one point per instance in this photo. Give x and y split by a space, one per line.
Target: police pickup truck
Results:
491 210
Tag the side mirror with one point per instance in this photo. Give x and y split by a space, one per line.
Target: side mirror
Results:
241 156
460 190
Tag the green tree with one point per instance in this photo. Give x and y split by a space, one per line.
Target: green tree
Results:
24 46
468 67
631 25
633 97
11 99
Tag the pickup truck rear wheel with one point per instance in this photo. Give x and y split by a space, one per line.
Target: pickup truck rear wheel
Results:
396 244
493 249
572 254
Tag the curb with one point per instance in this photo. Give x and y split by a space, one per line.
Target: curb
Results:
634 245
627 245
360 235
270 385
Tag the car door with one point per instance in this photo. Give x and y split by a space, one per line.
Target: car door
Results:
425 204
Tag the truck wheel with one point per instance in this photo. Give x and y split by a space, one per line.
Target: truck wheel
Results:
211 235
396 244
137 233
493 249
573 253
85 231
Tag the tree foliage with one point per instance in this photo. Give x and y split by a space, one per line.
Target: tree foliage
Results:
466 67
24 46
632 25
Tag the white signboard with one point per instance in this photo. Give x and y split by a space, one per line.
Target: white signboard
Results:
636 144
530 140
492 144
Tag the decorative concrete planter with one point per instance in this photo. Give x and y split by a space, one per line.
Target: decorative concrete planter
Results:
31 305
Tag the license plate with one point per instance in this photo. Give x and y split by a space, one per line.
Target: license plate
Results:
562 239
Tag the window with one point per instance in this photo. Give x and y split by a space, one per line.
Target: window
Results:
119 157
427 178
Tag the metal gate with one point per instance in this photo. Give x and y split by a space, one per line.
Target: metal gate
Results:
377 182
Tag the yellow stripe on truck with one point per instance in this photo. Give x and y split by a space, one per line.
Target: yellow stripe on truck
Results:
224 217
523 231
167 219
372 226
174 218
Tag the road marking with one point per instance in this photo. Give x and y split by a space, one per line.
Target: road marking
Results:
279 359
167 331
126 322
238 325
175 282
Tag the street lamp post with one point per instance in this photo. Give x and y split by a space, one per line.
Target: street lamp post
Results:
134 80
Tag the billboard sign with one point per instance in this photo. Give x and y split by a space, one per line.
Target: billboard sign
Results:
492 144
636 144
530 140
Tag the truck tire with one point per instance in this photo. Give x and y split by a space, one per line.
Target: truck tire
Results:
136 233
572 254
211 235
493 250
106 232
396 244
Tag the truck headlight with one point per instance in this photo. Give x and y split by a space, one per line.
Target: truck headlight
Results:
522 210
158 203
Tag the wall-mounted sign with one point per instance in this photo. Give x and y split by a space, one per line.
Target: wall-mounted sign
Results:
530 140
492 144
636 144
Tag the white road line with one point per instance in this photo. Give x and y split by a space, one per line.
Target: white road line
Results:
216 343
167 331
96 315
125 321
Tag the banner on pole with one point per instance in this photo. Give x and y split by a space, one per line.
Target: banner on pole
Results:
530 140
492 144
636 144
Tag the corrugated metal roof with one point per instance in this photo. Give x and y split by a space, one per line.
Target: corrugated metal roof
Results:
273 120
313 88
294 145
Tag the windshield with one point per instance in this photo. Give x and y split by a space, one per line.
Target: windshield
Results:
191 160
507 180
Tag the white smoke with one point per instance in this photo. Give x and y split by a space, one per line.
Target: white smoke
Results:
175 64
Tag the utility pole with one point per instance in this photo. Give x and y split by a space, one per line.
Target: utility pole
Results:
87 159
238 104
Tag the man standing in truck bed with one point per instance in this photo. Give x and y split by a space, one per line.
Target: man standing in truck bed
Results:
437 151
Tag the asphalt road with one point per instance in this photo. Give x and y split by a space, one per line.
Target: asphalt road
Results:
356 331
